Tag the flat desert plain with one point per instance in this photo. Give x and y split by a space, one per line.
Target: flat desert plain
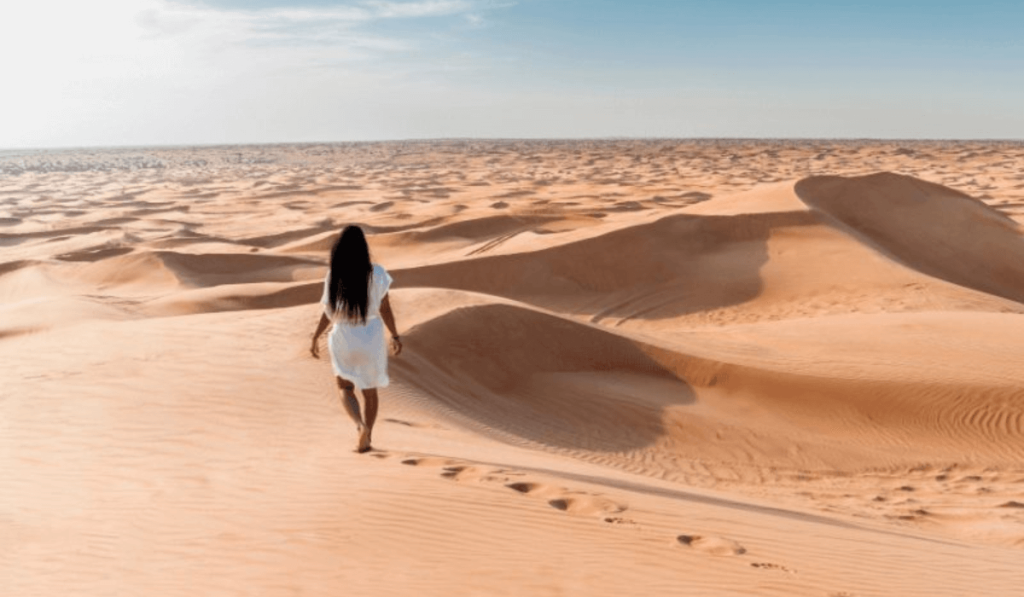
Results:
630 368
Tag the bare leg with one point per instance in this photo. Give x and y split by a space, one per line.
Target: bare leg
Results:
370 399
351 404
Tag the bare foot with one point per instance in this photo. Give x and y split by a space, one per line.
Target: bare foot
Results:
364 439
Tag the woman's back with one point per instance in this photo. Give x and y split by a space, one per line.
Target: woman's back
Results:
379 283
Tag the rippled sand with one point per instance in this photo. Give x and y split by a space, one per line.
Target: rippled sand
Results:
704 367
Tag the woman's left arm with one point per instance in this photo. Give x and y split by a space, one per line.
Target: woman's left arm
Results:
320 327
389 320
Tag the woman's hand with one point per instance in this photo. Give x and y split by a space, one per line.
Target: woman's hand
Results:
389 320
314 349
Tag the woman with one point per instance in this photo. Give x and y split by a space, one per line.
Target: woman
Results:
356 300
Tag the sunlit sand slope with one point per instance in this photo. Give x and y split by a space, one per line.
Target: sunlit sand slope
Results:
716 368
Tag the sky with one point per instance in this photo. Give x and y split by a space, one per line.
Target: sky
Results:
182 72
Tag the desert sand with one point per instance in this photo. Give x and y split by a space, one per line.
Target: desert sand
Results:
630 368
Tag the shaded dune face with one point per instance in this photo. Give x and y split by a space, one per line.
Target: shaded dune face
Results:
480 228
208 270
283 238
172 270
677 265
928 227
542 378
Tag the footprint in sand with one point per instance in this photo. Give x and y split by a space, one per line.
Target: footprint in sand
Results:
462 473
716 546
467 473
586 505
578 503
524 487
401 422
771 566
428 461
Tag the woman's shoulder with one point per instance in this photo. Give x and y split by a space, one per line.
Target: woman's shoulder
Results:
381 278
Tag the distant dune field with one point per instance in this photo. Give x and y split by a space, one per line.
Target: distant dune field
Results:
659 367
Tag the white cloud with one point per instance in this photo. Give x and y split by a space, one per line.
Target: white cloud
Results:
164 71
426 8
162 23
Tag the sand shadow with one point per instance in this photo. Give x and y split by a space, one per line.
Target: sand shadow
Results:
677 265
542 378
933 229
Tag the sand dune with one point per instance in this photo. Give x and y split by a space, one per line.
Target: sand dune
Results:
703 367
675 265
719 265
931 228
542 378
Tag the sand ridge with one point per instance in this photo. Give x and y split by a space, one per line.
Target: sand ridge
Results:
718 367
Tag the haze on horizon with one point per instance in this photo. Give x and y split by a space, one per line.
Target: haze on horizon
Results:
168 72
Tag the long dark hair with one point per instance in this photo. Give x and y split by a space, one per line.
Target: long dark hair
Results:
351 271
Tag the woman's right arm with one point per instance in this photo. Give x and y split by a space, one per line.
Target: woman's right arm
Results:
320 327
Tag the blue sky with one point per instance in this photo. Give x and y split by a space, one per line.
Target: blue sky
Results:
138 72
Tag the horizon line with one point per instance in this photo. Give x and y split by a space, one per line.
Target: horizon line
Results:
520 139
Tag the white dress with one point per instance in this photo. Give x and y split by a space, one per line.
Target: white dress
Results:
358 352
